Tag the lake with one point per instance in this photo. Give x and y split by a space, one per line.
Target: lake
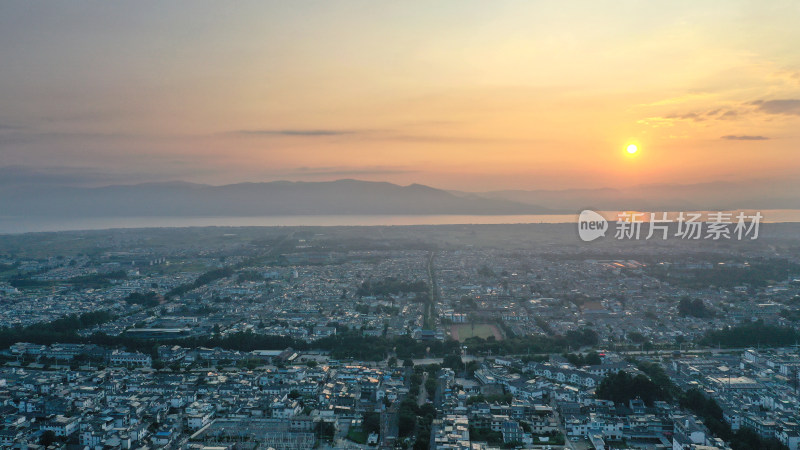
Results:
13 225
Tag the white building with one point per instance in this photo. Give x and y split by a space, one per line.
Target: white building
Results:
120 358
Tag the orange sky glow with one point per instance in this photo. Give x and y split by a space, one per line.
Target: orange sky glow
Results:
462 94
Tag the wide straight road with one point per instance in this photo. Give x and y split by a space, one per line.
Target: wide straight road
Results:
433 295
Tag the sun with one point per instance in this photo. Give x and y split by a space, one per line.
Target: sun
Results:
632 149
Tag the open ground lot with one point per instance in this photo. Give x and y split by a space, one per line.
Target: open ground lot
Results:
482 330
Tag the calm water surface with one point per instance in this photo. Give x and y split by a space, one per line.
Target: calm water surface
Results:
33 224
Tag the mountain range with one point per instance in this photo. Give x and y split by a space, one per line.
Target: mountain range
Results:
248 199
355 197
709 196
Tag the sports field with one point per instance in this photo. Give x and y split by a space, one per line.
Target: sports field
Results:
464 331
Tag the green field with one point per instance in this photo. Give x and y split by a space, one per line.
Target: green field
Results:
482 330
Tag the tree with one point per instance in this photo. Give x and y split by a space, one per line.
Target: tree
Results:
583 337
406 418
326 430
372 422
392 362
591 358
635 336
430 386
621 387
750 334
693 308
454 362
486 272
660 378
408 362
47 438
148 299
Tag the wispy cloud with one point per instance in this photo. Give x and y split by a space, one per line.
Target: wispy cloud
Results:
348 171
783 106
744 137
689 116
713 114
730 112
407 137
21 175
298 133
366 134
17 135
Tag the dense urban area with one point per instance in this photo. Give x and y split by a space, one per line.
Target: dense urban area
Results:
445 337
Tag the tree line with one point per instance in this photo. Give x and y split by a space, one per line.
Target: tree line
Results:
202 280
63 330
389 285
751 334
90 281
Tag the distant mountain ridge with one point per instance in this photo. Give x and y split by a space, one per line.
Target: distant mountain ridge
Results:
713 196
53 199
248 199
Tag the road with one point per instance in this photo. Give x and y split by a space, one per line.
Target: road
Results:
567 443
423 393
433 296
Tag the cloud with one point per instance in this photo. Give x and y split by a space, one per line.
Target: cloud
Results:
403 137
697 117
18 135
723 113
732 137
729 114
299 133
367 134
348 171
714 114
782 106
19 175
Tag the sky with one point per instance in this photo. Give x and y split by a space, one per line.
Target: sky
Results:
470 95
